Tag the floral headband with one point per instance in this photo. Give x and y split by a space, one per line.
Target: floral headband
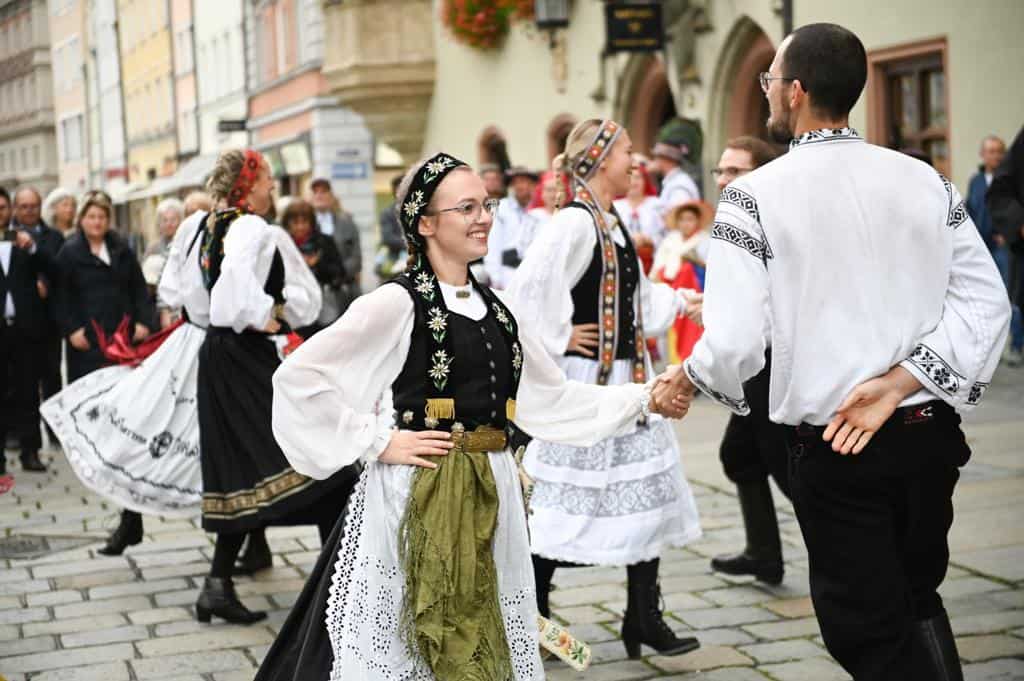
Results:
423 186
243 185
596 152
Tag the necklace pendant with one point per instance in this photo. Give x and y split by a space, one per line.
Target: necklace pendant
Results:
462 293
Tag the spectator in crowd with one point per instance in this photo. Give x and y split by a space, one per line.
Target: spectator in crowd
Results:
169 214
513 228
339 225
5 209
676 185
545 198
100 284
197 200
59 210
640 211
27 206
1005 201
321 254
494 180
391 254
23 325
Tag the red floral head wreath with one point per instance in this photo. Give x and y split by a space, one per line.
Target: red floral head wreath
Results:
240 190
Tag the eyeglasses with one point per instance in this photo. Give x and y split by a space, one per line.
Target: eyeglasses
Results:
471 210
766 79
729 171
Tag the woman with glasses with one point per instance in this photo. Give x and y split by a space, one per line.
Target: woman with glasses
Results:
623 500
428 575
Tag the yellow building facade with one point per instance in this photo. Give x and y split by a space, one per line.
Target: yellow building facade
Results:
148 86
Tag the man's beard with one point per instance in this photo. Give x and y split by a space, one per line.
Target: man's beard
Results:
779 128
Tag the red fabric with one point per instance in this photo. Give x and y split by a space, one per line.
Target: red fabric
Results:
6 483
242 187
294 341
649 188
118 348
687 333
538 192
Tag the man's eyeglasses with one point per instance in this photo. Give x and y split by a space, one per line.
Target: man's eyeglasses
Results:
729 171
471 210
766 79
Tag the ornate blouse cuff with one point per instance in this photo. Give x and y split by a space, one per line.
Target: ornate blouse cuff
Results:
380 442
645 400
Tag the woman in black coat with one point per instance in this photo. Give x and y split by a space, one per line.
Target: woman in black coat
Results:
321 254
99 281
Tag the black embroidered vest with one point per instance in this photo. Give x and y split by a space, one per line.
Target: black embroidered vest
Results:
587 291
481 380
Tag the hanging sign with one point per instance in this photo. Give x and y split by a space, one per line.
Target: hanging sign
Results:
634 26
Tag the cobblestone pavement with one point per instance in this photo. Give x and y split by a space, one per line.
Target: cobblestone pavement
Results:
74 615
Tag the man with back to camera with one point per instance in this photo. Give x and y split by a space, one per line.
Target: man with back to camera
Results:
862 270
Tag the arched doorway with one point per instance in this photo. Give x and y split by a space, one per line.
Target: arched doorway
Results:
738 106
492 148
646 102
558 132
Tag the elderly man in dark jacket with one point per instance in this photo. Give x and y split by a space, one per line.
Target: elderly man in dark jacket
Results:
339 225
23 326
48 242
1005 200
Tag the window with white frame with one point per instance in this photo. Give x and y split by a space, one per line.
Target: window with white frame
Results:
72 141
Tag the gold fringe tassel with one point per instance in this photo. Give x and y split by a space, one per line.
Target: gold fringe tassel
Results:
440 408
510 409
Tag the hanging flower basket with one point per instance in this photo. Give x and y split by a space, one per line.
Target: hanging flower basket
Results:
483 23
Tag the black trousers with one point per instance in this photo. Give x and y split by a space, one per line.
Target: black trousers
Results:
753 447
19 396
876 528
49 365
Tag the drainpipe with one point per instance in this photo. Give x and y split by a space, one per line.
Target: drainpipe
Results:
787 17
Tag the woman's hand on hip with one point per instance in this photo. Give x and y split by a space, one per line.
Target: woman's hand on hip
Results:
584 339
408 447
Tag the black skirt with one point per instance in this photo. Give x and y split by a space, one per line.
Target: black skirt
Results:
247 482
302 649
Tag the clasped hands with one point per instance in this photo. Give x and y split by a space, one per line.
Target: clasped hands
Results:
671 393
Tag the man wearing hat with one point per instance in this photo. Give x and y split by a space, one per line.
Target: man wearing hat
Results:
676 185
513 228
339 225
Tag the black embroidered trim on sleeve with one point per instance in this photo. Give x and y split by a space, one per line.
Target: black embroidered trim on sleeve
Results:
937 369
742 238
977 390
738 405
955 215
741 200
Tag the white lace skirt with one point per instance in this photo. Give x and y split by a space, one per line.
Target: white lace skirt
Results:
132 435
367 589
622 501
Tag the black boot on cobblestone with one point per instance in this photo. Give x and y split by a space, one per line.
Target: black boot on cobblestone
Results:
935 654
218 598
643 623
256 556
31 463
128 533
762 557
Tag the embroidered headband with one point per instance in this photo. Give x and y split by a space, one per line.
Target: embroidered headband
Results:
421 190
243 185
607 133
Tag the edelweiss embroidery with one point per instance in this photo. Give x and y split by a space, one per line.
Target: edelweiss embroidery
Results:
936 369
437 322
745 240
440 368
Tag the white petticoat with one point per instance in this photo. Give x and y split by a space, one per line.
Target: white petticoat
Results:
367 588
132 434
622 501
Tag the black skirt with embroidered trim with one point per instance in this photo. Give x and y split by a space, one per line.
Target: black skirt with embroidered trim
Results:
247 482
